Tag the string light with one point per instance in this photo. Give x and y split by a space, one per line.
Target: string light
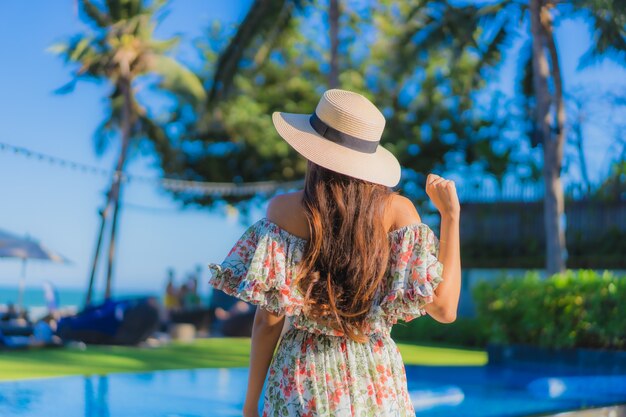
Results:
218 189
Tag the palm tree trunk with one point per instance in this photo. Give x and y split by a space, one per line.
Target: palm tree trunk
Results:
111 258
552 147
103 215
559 142
333 18
127 121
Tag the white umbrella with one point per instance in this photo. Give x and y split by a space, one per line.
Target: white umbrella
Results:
13 246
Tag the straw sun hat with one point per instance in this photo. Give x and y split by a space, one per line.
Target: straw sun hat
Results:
342 135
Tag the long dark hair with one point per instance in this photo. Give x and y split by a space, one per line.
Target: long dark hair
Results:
346 255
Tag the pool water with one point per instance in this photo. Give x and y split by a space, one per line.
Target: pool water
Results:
485 391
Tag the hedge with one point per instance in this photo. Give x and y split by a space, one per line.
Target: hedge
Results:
568 310
466 332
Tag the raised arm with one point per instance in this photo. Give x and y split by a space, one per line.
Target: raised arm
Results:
443 194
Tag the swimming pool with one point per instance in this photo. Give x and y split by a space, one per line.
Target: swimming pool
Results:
484 391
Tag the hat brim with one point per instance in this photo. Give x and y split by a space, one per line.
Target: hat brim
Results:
380 167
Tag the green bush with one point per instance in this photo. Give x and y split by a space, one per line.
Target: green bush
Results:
566 310
462 332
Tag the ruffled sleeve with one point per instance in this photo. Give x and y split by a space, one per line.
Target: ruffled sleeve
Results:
414 272
260 269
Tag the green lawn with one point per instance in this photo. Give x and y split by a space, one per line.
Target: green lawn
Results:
202 353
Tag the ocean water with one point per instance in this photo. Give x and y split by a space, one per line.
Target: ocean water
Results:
67 298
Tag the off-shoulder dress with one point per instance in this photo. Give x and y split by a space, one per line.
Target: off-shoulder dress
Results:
316 371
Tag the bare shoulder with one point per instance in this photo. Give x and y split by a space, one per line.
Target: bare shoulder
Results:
286 211
403 212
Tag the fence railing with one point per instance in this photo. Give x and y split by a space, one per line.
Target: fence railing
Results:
490 190
512 234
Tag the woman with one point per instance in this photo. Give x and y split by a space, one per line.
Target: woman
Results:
344 259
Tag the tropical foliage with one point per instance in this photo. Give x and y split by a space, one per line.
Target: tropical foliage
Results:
426 64
570 309
425 87
120 48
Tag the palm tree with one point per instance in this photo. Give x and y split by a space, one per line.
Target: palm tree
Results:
121 48
609 39
543 70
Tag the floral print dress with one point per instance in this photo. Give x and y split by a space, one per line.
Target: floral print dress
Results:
316 371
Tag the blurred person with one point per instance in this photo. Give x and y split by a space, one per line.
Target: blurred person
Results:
239 308
344 259
182 295
10 313
51 296
44 332
191 299
238 321
171 300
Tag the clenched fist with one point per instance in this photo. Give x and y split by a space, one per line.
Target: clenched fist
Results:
443 194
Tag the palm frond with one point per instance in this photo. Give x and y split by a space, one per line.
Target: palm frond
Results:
608 27
178 79
95 14
282 23
103 136
491 55
525 70
260 20
67 87
166 45
115 9
159 139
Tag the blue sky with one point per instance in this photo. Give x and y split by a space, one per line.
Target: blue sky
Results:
59 206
